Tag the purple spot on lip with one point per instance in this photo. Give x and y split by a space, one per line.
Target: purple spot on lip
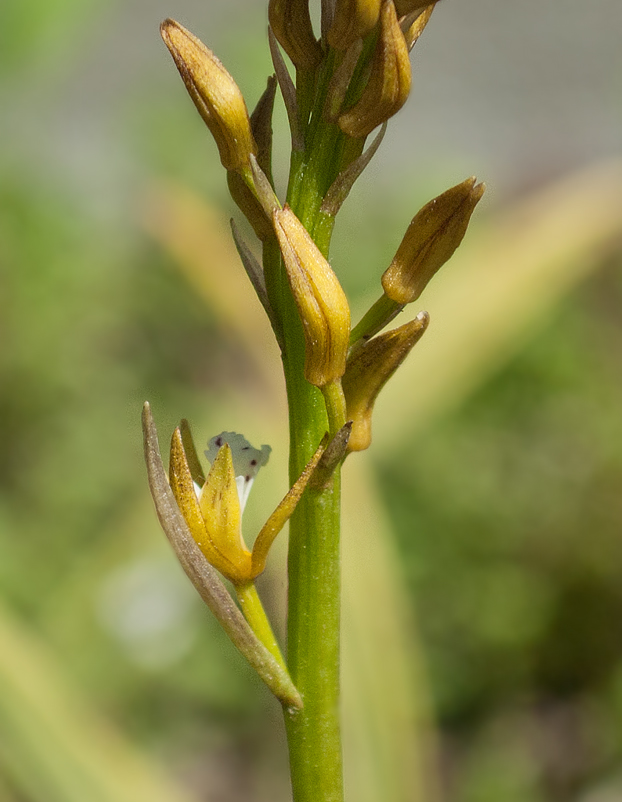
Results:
247 478
253 462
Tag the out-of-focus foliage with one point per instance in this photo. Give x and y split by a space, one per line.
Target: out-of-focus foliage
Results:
508 510
509 517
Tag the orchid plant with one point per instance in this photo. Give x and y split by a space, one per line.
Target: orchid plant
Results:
349 81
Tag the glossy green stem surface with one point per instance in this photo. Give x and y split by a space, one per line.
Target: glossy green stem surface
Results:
313 733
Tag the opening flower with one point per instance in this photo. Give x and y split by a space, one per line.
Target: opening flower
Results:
213 506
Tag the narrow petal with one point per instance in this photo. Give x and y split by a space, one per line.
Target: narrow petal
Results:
220 507
191 453
281 515
182 485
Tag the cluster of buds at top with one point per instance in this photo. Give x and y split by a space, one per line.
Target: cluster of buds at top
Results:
392 28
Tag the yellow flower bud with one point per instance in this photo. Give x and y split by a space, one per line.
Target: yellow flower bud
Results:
389 81
321 301
291 24
430 240
353 19
215 94
369 369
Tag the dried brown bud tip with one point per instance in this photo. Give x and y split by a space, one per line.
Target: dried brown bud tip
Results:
430 240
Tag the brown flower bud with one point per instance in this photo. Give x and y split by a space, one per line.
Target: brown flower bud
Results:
321 301
389 81
430 240
215 94
353 20
369 370
291 23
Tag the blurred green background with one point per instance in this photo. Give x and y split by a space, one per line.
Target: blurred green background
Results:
500 480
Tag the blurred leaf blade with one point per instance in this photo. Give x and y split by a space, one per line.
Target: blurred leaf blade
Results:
53 746
499 286
389 740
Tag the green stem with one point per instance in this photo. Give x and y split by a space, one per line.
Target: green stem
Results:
375 319
313 733
313 627
258 620
335 406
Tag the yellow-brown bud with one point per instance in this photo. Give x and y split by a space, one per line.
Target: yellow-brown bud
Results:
353 19
389 81
215 94
291 23
430 240
321 301
368 371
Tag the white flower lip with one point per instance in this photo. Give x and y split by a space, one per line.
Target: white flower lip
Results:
246 460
